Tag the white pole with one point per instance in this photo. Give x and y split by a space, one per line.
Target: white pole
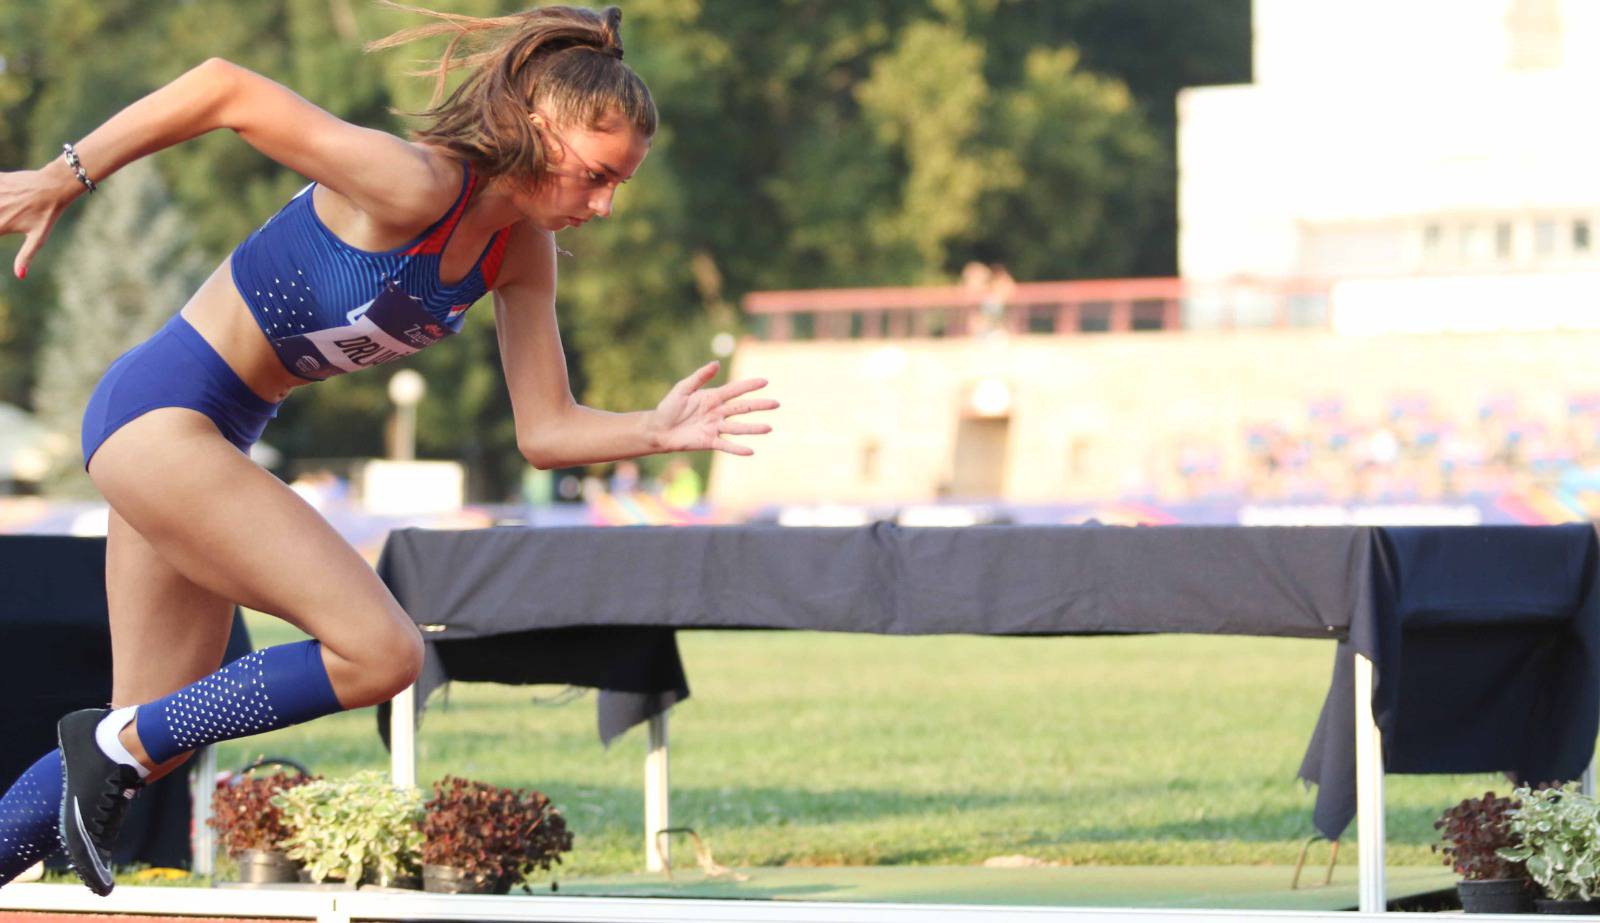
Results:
403 738
1369 794
657 793
202 839
405 439
406 388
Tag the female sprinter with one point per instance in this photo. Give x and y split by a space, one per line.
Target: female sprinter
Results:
378 257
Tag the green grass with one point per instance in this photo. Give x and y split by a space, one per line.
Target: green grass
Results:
818 749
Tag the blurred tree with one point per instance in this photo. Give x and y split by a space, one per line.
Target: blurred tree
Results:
21 79
1079 176
1155 48
931 119
110 300
804 143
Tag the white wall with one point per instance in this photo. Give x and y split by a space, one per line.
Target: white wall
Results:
1372 120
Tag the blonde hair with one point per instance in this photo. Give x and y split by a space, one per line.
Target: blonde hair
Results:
563 61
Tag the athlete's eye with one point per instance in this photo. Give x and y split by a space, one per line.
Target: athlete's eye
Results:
598 179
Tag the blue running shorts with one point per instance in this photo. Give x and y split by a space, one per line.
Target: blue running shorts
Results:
174 368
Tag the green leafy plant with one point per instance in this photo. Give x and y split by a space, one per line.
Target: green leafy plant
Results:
361 828
244 814
1559 831
1474 832
493 834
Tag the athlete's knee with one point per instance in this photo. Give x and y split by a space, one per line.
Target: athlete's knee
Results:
377 668
407 657
397 662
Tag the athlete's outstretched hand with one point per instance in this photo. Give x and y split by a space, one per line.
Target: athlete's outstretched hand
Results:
689 419
30 203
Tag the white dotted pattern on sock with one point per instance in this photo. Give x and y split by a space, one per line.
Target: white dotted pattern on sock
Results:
230 703
27 824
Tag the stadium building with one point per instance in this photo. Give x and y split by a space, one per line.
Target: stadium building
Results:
1388 310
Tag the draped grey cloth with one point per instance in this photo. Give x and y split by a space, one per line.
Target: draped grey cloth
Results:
597 606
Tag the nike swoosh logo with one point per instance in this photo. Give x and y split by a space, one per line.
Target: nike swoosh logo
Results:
94 853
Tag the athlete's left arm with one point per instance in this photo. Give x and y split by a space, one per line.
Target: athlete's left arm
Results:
553 429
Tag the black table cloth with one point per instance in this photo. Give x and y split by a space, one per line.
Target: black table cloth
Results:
55 657
531 605
1484 652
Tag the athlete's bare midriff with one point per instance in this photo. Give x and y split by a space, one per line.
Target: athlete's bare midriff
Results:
221 317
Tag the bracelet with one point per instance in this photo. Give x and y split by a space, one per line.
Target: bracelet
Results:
77 168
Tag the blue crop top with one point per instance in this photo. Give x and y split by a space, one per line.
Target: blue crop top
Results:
328 308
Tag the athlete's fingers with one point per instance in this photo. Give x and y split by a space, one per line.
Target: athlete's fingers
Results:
30 246
697 378
739 407
735 388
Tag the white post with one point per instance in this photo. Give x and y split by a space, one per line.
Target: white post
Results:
403 738
1369 794
202 839
406 389
657 792
1587 782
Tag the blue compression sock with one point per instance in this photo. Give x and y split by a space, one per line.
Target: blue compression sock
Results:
28 814
263 691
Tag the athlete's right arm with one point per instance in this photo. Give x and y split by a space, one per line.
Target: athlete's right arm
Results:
394 182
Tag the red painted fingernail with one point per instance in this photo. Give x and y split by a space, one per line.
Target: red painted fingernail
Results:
22 273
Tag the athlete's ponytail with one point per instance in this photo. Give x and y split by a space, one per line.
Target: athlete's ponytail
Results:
563 61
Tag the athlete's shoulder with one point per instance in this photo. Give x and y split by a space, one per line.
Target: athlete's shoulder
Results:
417 194
434 184
530 257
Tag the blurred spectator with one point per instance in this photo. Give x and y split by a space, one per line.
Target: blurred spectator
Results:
992 288
320 488
625 478
680 484
538 486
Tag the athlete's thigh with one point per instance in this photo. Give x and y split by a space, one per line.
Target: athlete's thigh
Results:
166 630
233 528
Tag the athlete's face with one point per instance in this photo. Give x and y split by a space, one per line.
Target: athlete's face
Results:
586 165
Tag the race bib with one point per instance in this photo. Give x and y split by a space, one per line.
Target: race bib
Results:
389 326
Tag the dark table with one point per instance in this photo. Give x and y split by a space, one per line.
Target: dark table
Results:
55 657
1484 639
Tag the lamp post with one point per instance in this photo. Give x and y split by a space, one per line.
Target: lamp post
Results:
406 389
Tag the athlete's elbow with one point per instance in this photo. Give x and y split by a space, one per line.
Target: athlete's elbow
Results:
536 447
216 68
216 82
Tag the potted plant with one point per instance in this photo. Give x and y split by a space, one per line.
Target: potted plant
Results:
1558 830
1474 833
250 826
481 838
361 829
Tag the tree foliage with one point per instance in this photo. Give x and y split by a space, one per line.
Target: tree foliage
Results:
805 143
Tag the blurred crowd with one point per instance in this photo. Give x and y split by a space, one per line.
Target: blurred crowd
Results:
1411 452
678 485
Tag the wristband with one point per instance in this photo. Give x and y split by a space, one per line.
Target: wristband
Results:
77 168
